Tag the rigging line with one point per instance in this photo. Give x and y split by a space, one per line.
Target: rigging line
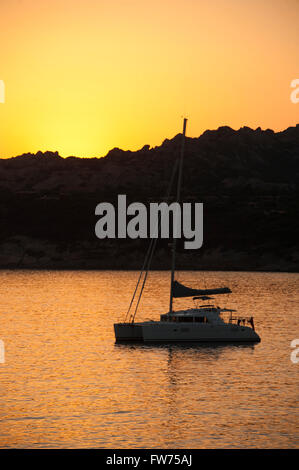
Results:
154 243
144 280
140 276
148 254
150 251
155 240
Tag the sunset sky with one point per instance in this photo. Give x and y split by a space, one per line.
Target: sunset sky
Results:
84 76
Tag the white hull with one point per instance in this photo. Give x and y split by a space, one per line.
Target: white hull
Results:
160 332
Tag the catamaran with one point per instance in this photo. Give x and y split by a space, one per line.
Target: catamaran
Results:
203 323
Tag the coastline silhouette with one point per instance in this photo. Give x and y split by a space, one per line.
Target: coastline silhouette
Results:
247 180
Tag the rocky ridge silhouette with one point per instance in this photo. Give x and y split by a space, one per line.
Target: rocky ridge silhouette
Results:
247 180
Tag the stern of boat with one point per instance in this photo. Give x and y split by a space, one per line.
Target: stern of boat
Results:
127 332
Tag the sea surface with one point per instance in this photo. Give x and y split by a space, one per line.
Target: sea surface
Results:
66 384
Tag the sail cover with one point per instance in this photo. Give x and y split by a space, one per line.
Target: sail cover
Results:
179 290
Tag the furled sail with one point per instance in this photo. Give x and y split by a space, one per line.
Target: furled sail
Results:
179 290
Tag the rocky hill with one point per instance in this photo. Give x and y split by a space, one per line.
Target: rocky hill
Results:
247 180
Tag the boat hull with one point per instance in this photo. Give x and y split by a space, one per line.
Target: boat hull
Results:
128 332
159 332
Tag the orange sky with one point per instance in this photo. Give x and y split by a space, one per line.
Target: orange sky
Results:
84 76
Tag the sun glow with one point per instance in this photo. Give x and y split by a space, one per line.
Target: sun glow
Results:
84 76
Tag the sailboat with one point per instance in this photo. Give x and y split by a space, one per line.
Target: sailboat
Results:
203 323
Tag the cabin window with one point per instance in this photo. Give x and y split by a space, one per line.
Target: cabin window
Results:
200 319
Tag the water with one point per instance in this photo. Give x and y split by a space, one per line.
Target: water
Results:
65 384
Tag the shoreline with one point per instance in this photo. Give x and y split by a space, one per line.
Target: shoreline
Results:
235 269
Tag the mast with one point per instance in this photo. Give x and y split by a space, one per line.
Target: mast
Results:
178 195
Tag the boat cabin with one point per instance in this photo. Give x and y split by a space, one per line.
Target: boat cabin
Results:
203 314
